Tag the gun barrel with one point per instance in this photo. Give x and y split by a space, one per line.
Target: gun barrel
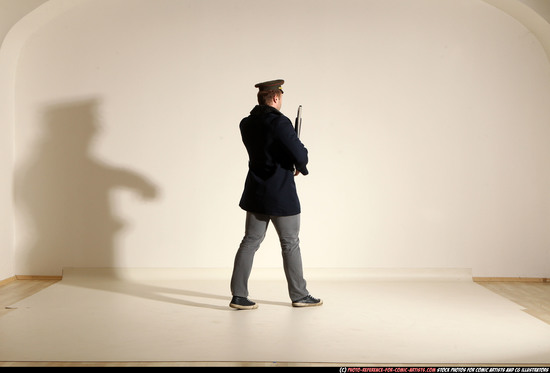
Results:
298 123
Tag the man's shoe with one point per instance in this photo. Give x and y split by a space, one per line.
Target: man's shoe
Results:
307 301
242 303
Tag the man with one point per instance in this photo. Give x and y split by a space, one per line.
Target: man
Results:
276 156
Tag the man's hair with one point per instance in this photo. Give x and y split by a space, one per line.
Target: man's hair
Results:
265 97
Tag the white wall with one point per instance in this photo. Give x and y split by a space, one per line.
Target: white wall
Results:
533 14
542 7
11 12
426 122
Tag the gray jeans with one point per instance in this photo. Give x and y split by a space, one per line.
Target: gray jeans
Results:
288 228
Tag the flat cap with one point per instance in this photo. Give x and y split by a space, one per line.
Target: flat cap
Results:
271 85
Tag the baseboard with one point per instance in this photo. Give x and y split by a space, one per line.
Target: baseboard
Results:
29 277
511 279
7 280
33 277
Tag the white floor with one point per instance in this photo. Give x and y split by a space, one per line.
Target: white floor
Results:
368 317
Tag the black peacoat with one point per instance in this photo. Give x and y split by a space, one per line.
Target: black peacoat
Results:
274 151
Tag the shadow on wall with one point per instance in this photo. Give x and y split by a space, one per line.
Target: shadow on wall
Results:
64 194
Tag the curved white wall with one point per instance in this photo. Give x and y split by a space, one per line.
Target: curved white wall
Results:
542 7
10 14
533 14
426 122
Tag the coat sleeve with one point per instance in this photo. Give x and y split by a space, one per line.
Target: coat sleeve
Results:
290 141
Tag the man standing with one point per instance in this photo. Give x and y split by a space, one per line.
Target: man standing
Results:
276 156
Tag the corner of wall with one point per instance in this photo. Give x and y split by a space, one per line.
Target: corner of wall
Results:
38 14
529 17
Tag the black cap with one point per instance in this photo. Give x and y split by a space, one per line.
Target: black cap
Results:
271 85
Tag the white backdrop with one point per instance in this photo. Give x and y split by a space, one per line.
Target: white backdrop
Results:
427 124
